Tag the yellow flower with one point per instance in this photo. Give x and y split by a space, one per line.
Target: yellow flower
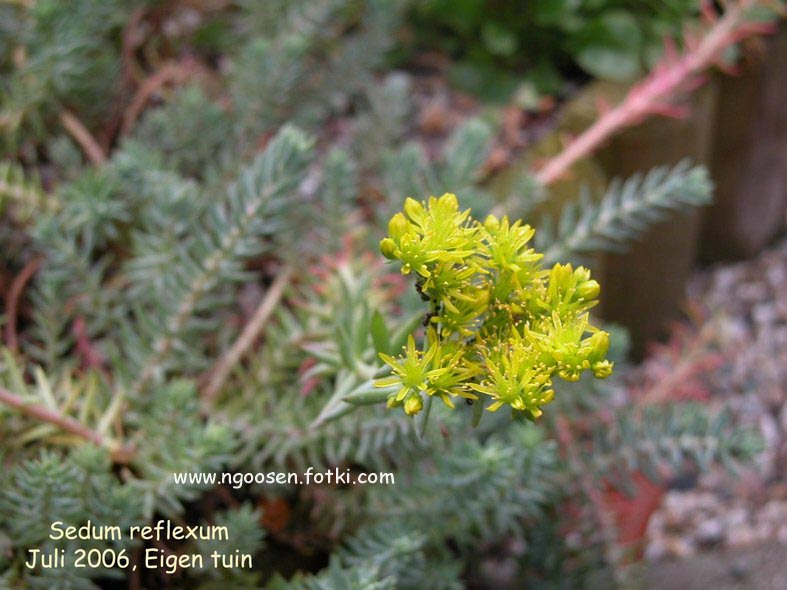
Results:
602 369
426 233
499 323
463 315
506 245
562 347
453 382
413 404
570 291
411 372
514 378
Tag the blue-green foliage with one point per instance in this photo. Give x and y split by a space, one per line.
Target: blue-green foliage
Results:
68 54
145 261
71 490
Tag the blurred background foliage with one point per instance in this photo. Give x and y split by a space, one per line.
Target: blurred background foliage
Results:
546 42
192 193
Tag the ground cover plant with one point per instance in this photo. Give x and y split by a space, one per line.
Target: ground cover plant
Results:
193 200
544 41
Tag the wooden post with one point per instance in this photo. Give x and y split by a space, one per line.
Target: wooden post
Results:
749 154
644 288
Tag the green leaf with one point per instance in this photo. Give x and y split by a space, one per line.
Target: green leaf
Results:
612 47
484 80
336 407
380 335
466 153
367 394
627 208
399 337
478 411
553 12
499 40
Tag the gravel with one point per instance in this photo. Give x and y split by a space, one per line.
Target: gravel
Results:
744 305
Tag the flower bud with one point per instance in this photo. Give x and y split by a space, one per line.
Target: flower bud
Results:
491 223
413 404
560 275
581 274
451 201
589 290
398 226
599 346
388 248
413 208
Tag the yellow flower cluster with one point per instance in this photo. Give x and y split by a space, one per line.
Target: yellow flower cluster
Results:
499 325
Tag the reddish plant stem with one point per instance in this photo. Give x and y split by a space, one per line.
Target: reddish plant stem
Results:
132 39
175 72
218 375
12 302
91 357
50 416
652 96
83 137
119 453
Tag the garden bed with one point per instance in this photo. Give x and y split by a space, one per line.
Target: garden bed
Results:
742 311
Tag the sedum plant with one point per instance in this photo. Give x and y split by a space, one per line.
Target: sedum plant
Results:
499 324
198 292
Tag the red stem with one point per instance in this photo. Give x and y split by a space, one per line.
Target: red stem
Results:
652 95
12 305
51 416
